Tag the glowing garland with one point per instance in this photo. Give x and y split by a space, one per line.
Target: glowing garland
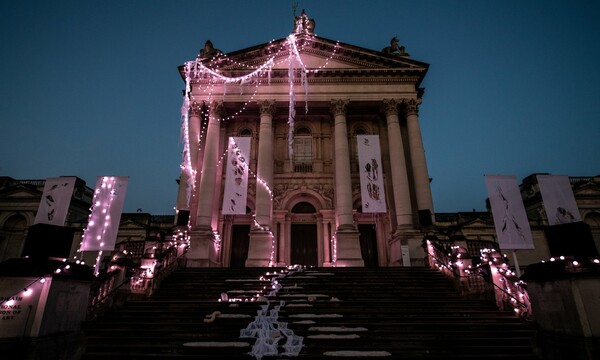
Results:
196 69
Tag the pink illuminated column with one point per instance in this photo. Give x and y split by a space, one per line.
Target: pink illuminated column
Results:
400 186
264 184
417 155
208 175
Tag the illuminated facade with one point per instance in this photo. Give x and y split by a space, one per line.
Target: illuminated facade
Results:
303 100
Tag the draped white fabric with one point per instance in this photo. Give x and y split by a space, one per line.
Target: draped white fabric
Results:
559 201
371 178
55 202
236 179
508 211
107 206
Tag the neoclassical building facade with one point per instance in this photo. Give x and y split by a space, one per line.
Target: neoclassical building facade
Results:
303 101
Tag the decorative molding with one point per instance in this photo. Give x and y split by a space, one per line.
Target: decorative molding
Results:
338 107
390 106
267 107
411 106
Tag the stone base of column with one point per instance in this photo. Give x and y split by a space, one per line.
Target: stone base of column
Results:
260 249
203 250
406 248
348 249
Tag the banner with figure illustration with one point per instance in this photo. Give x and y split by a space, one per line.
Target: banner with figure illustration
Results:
508 212
107 206
558 198
371 176
56 200
236 178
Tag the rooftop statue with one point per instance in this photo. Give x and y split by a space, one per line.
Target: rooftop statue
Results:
395 48
302 24
209 51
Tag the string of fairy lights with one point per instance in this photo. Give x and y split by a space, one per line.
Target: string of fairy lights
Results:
503 277
211 72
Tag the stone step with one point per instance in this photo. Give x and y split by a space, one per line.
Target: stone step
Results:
392 313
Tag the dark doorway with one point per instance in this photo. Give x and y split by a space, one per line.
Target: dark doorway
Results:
240 240
368 245
304 245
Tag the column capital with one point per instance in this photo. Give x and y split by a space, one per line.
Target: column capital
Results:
390 106
196 108
411 106
267 107
216 108
338 107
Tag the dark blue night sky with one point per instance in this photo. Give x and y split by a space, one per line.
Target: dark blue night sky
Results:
91 88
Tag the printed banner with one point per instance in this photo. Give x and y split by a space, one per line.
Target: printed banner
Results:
371 178
508 211
559 201
236 179
107 205
55 202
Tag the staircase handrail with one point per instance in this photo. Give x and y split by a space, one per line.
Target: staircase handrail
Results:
451 259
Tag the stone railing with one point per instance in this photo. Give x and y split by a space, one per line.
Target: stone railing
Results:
565 295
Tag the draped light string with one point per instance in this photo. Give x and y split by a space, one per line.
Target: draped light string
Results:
334 249
186 165
196 69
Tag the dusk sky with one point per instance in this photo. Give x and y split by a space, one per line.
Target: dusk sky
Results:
91 88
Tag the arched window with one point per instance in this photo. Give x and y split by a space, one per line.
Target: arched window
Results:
245 132
303 150
304 208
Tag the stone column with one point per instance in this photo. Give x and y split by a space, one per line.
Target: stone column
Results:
193 136
417 155
208 175
201 235
261 237
264 184
348 249
400 186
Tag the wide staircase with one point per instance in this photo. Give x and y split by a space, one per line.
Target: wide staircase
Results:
267 313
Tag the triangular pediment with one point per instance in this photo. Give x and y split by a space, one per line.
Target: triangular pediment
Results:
320 56
20 192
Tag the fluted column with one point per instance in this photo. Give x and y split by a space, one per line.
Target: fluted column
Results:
400 185
208 175
343 184
264 185
417 155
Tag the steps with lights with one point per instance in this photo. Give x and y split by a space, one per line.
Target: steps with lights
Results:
397 313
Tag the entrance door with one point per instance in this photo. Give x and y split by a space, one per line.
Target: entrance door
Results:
368 245
304 245
240 240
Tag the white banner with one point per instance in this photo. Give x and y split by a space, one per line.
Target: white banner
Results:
55 202
559 201
508 211
107 205
236 178
371 177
